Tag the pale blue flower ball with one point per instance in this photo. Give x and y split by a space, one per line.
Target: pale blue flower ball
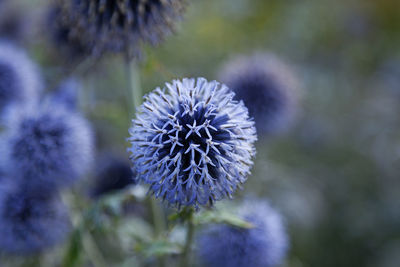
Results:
192 142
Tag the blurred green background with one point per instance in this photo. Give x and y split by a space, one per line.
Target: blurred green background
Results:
335 174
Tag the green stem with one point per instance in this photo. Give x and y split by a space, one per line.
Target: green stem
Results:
135 91
94 253
158 217
159 224
185 261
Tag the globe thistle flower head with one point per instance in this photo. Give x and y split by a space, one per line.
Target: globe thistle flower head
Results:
268 88
19 79
194 143
48 147
264 245
30 223
114 174
120 26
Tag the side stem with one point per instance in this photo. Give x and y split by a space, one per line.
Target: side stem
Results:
134 88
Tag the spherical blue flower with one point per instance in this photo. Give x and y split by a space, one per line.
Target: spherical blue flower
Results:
19 79
30 222
264 245
193 144
120 26
49 146
114 174
268 88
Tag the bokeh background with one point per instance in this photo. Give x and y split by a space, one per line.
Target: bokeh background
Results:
335 174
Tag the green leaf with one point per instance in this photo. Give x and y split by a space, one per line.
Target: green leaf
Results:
158 248
215 216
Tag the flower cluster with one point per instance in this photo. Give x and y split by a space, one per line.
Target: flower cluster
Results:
119 26
46 145
267 86
264 245
192 141
193 144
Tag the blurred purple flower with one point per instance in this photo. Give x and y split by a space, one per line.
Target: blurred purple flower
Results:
265 245
114 173
268 88
49 146
30 222
19 78
120 26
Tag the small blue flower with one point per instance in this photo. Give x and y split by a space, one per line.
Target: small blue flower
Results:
265 245
268 88
193 144
19 78
66 93
113 174
30 222
49 146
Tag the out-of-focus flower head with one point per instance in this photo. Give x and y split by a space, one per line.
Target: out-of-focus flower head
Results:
194 143
264 245
120 26
14 22
48 146
113 174
66 94
267 86
30 222
19 78
72 49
